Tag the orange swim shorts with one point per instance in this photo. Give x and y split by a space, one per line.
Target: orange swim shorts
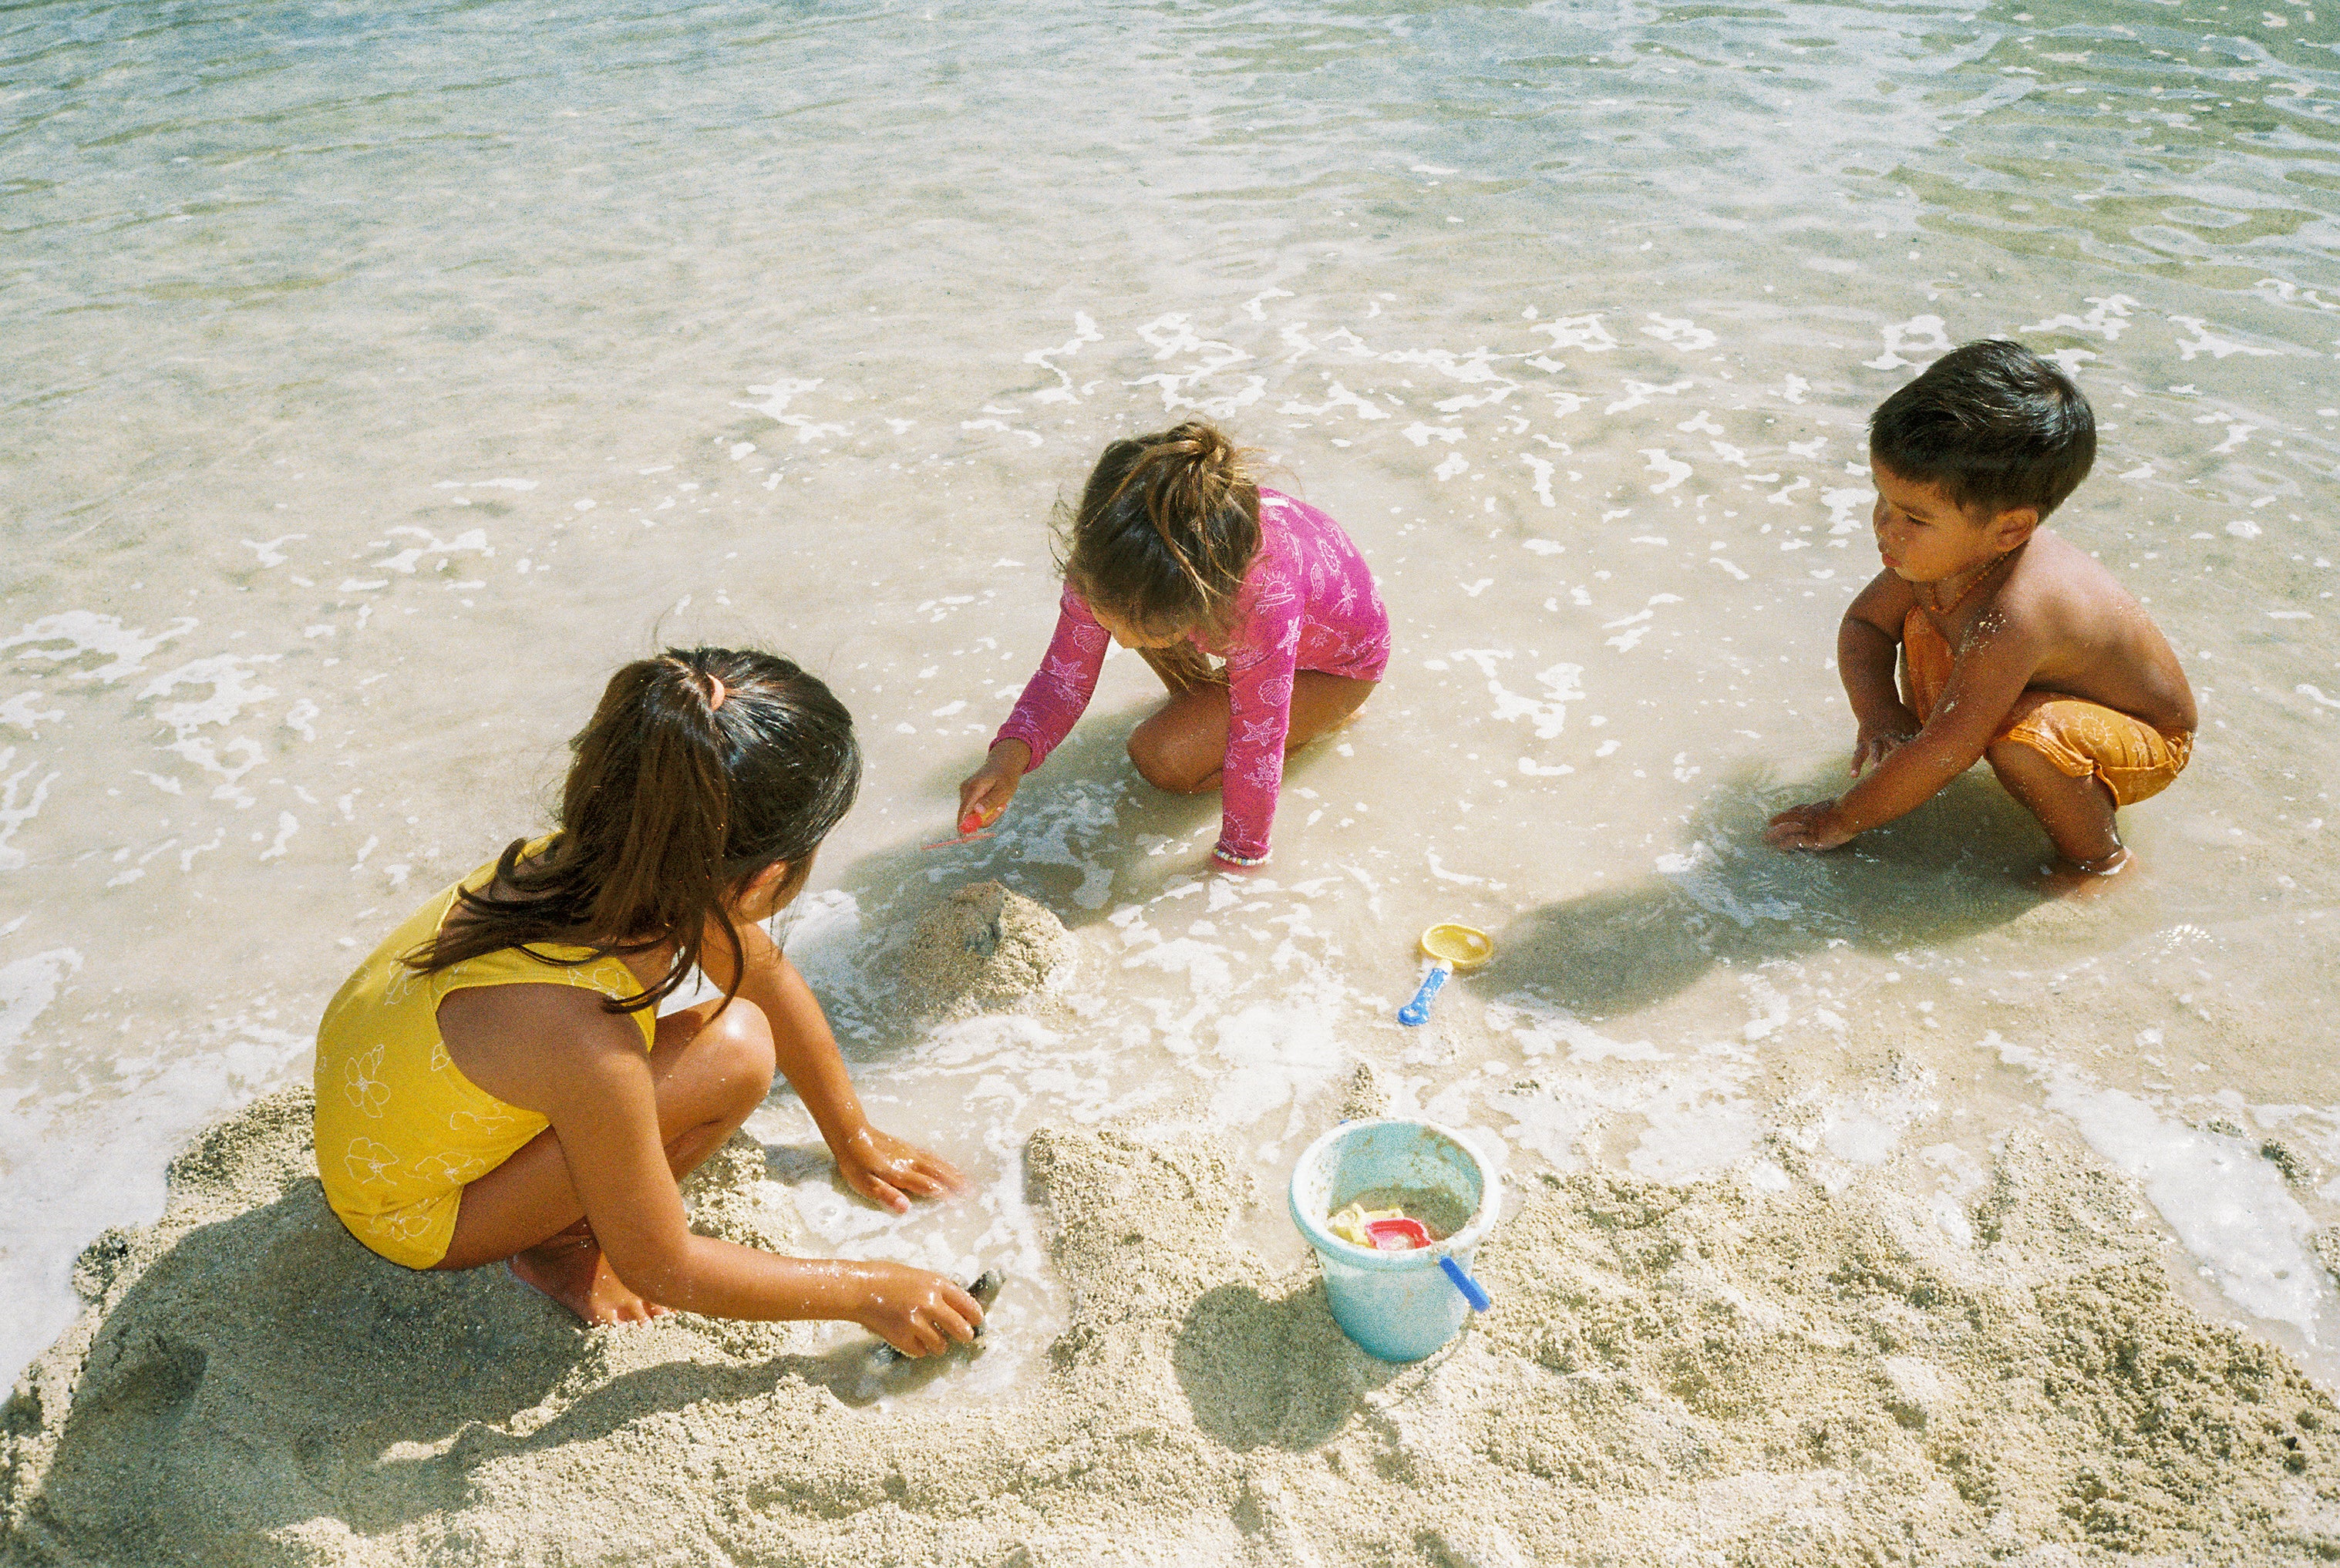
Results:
2078 737
2136 761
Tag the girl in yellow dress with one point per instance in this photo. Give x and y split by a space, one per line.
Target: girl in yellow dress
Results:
494 1083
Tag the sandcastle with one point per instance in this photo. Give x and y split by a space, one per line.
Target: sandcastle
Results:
984 947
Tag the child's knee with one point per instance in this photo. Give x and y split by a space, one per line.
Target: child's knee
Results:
742 1050
2026 773
1156 766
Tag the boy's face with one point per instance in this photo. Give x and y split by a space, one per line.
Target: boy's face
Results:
1924 536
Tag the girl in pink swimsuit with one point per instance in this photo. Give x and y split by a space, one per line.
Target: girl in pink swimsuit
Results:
1178 553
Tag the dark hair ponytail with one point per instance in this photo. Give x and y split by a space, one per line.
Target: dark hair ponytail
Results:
1168 526
681 792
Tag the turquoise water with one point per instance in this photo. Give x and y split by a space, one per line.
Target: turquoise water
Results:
378 377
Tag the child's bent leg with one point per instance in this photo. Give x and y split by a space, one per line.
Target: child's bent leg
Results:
2077 813
1181 744
709 1072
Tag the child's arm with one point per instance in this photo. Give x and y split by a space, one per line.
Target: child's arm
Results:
1868 646
1260 676
1991 670
878 1165
1053 698
593 1083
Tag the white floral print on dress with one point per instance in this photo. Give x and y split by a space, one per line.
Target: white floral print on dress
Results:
399 1224
482 1121
360 1083
403 982
595 976
450 1168
369 1161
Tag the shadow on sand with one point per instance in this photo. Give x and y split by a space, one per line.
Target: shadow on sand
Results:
1955 867
264 1369
1271 1371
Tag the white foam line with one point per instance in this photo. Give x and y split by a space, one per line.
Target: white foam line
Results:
16 809
2206 342
1084 331
1542 482
1918 335
2229 1207
90 633
1336 396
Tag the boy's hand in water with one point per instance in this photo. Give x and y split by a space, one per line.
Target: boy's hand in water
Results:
882 1168
916 1312
984 793
1876 742
1813 827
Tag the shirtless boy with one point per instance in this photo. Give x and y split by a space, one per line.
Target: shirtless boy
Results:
2019 648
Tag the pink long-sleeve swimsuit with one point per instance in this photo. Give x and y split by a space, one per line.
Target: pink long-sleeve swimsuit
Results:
1307 602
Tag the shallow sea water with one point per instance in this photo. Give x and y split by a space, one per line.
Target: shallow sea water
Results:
377 378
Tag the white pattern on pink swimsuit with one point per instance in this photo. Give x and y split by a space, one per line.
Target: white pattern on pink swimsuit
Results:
1308 602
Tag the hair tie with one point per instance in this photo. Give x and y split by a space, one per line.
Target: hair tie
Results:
714 697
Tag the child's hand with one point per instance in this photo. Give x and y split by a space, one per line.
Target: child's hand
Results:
916 1312
882 1168
1813 827
1878 741
984 793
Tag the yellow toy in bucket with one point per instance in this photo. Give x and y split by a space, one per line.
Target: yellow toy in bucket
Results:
1450 948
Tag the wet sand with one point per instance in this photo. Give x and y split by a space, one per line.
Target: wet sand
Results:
1766 1368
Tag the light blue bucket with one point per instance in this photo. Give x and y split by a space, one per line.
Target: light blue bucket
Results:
1397 1305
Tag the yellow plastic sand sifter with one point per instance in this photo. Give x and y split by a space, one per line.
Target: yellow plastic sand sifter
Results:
1450 948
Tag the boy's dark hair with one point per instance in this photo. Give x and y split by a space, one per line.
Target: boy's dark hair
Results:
676 798
1993 424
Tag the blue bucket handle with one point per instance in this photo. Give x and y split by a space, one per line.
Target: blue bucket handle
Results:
1472 1291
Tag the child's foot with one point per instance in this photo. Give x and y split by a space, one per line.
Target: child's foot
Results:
571 1269
2081 880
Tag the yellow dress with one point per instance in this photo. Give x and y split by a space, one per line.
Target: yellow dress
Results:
400 1129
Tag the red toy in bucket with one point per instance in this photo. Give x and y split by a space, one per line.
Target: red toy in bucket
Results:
1396 1234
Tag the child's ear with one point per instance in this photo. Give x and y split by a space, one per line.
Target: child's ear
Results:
2010 529
768 883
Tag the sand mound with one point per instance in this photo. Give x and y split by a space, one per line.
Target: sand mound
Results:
983 946
1708 1373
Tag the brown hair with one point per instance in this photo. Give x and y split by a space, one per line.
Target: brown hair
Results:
681 792
1168 526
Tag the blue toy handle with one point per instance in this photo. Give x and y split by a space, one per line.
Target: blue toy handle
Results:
1417 1011
1472 1291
